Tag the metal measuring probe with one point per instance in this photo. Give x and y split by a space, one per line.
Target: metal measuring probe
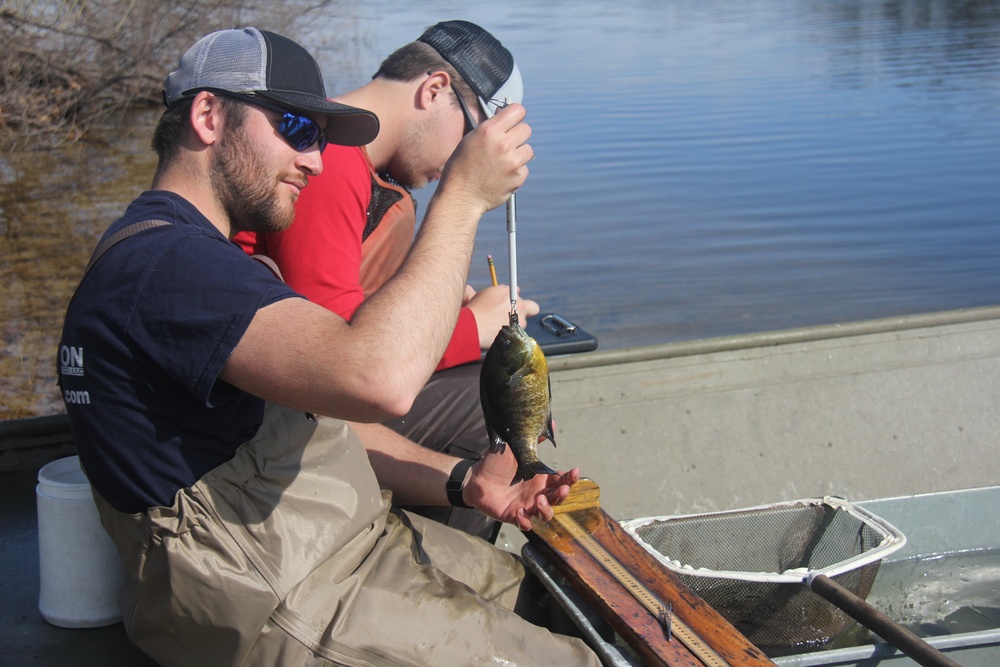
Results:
512 246
512 253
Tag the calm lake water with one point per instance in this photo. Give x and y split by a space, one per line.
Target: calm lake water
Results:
703 168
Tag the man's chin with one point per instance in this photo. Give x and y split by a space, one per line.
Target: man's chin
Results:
266 225
280 225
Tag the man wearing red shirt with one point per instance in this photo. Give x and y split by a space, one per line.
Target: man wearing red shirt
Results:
355 223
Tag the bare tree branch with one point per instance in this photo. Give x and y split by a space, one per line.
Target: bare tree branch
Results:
69 65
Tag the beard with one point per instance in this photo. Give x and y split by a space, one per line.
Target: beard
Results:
248 197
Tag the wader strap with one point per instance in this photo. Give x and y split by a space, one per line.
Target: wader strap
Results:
142 226
119 236
106 245
271 264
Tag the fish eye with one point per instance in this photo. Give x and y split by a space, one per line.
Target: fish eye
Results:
507 343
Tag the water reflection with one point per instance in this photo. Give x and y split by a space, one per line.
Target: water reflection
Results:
53 208
704 168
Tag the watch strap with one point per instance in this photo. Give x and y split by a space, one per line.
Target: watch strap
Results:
456 481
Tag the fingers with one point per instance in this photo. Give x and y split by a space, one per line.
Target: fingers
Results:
508 132
510 120
497 297
510 115
571 476
560 489
545 511
526 308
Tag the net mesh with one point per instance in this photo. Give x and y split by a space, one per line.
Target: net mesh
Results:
739 563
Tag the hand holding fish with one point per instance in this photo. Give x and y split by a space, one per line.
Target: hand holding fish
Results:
488 489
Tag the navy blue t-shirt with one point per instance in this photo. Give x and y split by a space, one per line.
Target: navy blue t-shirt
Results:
144 341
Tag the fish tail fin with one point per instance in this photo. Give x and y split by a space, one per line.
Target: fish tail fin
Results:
529 470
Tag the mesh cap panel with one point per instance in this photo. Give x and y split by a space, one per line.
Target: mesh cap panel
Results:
231 60
480 58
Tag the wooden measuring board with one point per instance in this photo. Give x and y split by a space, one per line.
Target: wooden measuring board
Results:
662 619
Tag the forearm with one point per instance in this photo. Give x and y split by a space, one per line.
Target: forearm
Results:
418 308
416 476
370 369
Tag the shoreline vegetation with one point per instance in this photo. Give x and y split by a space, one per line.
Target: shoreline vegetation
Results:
80 84
68 66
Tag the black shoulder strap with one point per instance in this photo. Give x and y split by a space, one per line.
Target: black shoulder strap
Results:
119 236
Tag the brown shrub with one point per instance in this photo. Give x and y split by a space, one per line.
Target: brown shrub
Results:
66 65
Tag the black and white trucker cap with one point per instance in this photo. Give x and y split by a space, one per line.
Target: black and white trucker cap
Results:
257 62
481 59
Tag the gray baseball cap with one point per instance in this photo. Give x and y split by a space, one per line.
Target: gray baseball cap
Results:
260 63
481 59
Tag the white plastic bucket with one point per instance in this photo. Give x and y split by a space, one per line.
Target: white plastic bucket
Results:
80 572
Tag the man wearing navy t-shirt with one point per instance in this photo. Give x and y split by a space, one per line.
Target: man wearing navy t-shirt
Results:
253 531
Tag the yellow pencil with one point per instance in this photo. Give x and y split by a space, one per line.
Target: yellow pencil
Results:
493 269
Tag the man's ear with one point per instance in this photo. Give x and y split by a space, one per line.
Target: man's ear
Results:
431 88
206 117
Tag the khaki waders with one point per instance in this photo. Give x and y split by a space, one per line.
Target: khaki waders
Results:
289 554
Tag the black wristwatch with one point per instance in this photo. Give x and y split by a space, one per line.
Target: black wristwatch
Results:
455 482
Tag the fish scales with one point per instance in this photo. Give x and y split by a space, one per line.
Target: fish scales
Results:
516 395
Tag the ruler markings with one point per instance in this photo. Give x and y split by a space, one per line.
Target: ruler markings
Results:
678 628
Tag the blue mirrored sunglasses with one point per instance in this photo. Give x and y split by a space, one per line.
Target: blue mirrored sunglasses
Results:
300 132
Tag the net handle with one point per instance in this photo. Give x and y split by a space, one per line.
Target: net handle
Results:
886 628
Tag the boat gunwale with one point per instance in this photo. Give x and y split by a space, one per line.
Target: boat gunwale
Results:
599 358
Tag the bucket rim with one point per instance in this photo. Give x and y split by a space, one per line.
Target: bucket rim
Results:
61 464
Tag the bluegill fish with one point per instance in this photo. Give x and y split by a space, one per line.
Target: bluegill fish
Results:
516 395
